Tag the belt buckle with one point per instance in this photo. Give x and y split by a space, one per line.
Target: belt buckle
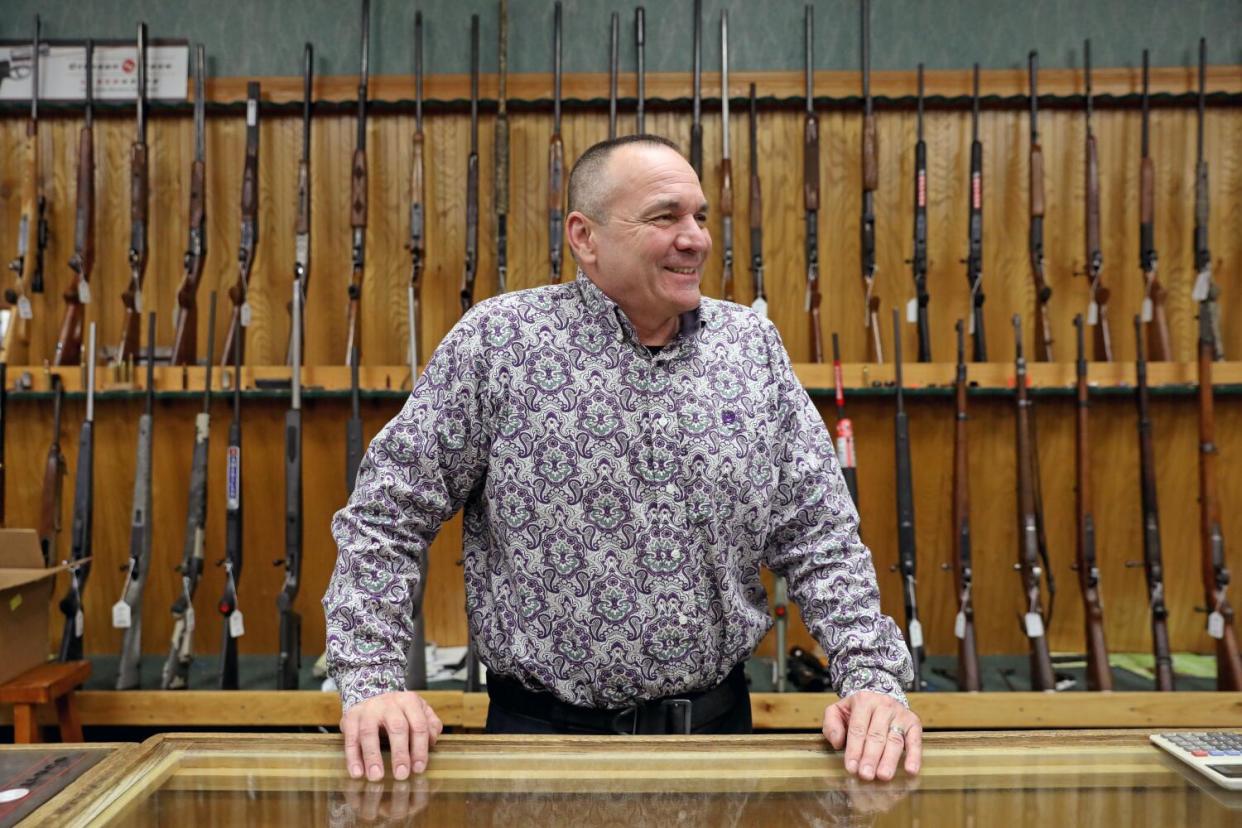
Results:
633 727
677 715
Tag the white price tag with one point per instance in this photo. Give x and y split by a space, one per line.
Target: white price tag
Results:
237 625
912 311
252 112
1148 310
970 324
84 291
1034 625
1216 625
1093 313
959 625
760 306
245 315
122 615
916 634
137 301
1203 285
23 308
189 619
79 624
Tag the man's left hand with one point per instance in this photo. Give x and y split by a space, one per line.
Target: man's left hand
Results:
874 729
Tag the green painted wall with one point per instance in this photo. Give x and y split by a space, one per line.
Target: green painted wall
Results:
265 37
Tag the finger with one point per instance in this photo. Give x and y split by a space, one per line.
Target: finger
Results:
353 755
434 726
893 747
914 746
398 730
372 798
856 733
396 806
877 740
836 717
419 737
368 737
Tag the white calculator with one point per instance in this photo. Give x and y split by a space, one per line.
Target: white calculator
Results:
1215 754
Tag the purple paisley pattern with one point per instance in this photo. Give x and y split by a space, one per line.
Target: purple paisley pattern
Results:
618 507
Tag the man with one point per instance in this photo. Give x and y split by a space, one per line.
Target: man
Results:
628 453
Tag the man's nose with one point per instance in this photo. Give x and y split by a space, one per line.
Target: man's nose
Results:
693 236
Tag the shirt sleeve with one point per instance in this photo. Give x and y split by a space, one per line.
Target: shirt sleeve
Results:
417 472
814 543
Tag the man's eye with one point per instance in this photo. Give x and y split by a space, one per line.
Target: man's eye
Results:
701 218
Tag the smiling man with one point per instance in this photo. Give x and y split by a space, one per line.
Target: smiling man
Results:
628 454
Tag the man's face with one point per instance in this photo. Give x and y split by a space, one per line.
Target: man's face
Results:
649 250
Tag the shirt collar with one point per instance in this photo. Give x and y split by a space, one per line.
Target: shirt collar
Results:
600 304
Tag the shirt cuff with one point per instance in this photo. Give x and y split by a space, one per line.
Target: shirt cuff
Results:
874 681
362 683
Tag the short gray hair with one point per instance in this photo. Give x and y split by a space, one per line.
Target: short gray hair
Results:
589 188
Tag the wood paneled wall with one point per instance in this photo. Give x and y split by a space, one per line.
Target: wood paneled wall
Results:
1004 132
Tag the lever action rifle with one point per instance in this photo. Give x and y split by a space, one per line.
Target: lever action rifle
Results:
185 337
302 219
500 150
1033 618
1097 309
231 614
810 191
53 481
974 242
726 165
963 569
614 69
907 559
1205 290
640 39
696 125
1035 233
127 612
1154 294
176 672
289 662
1099 677
27 266
358 197
234 351
82 263
471 268
417 245
918 261
755 209
83 519
1153 564
870 183
556 157
139 196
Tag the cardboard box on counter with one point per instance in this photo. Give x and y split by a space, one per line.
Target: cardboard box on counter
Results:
25 601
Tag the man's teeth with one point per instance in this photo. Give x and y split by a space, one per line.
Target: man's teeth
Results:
689 271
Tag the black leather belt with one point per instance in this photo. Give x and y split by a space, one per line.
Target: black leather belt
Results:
683 713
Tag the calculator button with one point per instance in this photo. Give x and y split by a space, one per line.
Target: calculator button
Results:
1199 752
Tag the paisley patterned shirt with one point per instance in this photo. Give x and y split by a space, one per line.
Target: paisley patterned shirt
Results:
618 506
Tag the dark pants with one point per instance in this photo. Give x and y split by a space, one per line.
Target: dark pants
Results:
734 719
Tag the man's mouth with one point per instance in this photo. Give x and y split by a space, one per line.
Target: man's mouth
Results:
685 271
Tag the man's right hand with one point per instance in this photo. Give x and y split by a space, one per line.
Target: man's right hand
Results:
412 728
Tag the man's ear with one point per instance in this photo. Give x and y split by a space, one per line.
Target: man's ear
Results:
579 230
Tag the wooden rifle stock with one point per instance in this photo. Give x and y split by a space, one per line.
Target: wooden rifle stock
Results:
963 570
1035 233
139 196
1154 295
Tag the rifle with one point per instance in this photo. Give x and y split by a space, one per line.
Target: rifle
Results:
1099 677
127 612
1035 233
139 196
53 481
963 569
4 400
500 149
234 350
358 196
176 671
234 623
1153 292
353 432
755 209
726 165
472 176
639 46
810 191
417 245
185 338
32 226
83 519
289 662
918 260
1205 289
1097 310
696 125
907 560
1034 619
82 263
780 611
870 182
845 427
302 220
614 61
556 160
1153 564
974 242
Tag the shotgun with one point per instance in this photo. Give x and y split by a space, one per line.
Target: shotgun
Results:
500 149
1205 290
234 351
726 166
358 197
640 39
417 245
918 260
1097 308
289 662
1153 310
810 191
696 124
907 559
83 519
870 183
1035 232
974 241
556 159
139 198
755 209
82 263
53 481
185 337
614 69
470 270
302 218
233 626
963 568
